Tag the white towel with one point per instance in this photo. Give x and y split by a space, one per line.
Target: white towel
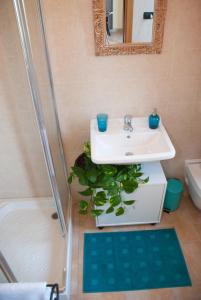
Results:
24 291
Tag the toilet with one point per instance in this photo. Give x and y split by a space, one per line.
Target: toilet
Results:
193 180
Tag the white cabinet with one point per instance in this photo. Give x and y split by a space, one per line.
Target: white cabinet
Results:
148 198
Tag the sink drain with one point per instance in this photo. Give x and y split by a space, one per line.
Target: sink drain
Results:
129 153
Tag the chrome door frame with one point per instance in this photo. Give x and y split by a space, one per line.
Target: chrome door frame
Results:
22 24
4 266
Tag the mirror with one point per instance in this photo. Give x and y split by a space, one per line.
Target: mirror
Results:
129 26
129 21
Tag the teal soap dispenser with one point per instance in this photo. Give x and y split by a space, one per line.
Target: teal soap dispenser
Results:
154 120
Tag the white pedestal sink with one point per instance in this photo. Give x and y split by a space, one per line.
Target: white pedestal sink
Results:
142 145
117 146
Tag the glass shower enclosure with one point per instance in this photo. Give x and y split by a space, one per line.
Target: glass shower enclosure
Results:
42 215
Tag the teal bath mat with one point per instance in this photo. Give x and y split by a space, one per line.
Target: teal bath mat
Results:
133 260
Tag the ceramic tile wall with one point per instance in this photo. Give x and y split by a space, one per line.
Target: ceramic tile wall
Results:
86 84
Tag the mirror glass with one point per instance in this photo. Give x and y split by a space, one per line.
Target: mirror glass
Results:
129 21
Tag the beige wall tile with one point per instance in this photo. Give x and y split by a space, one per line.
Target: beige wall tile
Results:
86 84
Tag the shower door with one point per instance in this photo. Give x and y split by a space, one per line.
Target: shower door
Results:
6 274
34 46
34 246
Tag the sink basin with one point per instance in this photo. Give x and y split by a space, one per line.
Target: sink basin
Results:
117 146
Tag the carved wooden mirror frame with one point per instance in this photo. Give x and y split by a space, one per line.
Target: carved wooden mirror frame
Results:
154 47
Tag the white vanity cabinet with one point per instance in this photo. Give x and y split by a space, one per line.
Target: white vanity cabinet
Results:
148 198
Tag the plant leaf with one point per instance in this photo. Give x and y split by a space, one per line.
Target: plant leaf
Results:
100 198
119 211
87 149
105 180
101 195
77 170
80 173
109 170
120 177
70 178
146 180
115 200
84 205
129 202
100 202
138 174
113 191
129 186
110 210
87 192
83 180
92 174
96 212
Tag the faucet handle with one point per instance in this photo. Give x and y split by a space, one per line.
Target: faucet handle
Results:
127 119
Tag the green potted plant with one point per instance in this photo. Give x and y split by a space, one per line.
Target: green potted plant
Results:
105 184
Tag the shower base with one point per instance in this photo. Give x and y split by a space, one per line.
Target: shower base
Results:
31 240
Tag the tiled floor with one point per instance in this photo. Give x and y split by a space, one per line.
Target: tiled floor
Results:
187 222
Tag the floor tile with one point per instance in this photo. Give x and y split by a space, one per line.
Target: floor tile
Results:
187 222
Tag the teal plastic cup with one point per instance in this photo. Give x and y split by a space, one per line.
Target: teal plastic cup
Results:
102 122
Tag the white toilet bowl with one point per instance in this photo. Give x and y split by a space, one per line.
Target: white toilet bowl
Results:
193 180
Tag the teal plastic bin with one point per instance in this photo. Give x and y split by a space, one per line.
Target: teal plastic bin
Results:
173 194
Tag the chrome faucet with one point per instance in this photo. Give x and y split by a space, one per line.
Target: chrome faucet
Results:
127 123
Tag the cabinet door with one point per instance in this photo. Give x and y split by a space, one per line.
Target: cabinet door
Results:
147 207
